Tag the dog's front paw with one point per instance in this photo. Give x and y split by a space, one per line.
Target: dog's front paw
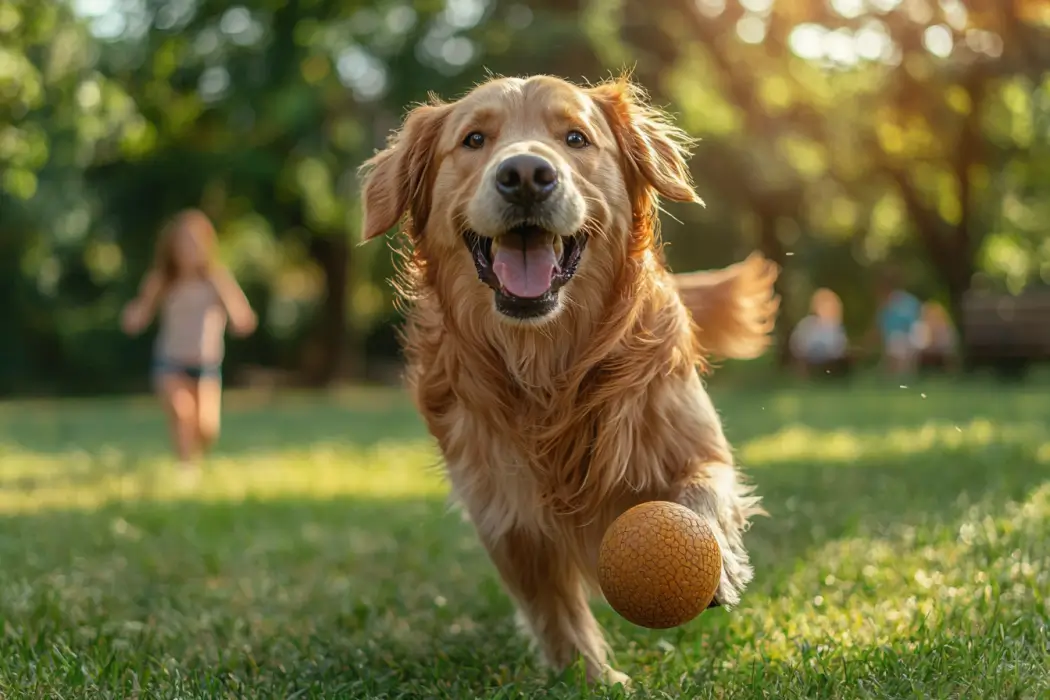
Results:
607 675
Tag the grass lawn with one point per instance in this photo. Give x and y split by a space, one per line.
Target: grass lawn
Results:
908 555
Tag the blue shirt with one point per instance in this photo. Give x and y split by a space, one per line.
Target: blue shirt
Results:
900 312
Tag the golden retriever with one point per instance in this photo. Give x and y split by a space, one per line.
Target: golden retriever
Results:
551 353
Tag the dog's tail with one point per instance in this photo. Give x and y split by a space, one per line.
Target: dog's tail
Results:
734 309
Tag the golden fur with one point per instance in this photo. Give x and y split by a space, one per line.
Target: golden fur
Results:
550 429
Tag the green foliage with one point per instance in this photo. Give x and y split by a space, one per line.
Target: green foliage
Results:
834 136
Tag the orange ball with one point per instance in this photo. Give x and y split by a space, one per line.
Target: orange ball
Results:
659 565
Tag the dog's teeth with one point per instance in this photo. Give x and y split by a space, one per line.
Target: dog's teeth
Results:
495 245
559 246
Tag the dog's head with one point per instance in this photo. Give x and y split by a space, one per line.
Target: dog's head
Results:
536 185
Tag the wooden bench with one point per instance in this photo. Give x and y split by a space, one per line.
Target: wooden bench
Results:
1005 332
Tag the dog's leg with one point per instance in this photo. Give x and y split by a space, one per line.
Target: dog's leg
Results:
552 602
718 495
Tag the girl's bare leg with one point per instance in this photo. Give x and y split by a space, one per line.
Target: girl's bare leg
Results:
208 394
178 396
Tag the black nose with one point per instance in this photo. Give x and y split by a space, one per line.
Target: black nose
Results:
526 178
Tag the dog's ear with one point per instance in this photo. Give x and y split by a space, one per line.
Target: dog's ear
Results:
654 149
395 179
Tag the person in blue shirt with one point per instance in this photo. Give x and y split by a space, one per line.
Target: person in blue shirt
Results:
898 316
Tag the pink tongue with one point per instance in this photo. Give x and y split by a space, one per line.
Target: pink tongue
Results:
525 272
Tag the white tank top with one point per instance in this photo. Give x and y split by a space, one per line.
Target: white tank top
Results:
192 324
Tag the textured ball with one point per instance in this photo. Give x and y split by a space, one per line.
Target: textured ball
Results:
659 565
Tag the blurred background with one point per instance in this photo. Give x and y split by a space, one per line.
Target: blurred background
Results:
843 138
893 156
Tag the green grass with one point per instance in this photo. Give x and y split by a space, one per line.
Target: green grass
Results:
908 555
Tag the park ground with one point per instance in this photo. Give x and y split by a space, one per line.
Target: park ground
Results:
905 556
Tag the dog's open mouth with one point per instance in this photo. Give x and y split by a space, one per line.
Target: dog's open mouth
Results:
526 267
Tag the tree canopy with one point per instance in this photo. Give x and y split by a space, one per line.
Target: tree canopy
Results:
836 136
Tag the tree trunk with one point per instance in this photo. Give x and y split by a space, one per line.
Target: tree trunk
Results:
328 344
770 246
958 278
949 248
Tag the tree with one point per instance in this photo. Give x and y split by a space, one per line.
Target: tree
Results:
823 121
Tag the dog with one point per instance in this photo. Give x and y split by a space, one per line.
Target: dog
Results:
553 356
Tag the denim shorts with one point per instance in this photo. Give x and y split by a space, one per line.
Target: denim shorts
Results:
193 372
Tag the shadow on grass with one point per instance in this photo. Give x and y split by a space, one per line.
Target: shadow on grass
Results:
356 597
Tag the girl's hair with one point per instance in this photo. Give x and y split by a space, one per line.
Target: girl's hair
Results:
193 222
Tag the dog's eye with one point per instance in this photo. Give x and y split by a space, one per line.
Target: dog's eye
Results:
574 139
475 140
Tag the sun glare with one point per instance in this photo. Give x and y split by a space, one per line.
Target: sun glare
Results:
872 42
751 29
849 9
807 41
938 40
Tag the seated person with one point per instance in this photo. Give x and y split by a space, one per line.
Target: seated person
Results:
935 338
898 314
818 342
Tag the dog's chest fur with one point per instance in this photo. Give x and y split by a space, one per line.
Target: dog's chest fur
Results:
492 477
548 465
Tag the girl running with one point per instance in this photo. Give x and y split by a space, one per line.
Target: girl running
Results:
195 296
